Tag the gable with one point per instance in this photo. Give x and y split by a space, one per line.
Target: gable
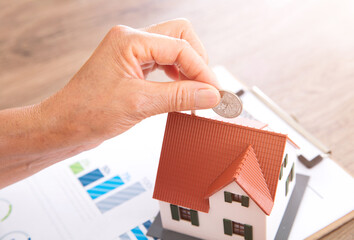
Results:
246 172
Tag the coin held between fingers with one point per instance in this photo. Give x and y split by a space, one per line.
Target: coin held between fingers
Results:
230 105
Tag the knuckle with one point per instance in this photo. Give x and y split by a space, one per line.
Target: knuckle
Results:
183 47
117 32
118 29
183 43
121 38
182 99
139 102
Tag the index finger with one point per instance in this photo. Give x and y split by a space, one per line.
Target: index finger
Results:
180 28
172 51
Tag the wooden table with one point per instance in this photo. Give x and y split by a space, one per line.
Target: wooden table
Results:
300 53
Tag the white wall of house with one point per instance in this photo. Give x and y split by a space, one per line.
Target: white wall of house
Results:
211 224
281 201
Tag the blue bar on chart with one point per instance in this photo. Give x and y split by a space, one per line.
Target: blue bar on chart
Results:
147 224
105 187
120 197
90 177
124 236
139 234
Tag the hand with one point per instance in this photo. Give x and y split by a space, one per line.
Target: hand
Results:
107 96
110 94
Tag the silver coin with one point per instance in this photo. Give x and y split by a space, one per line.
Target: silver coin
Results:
230 105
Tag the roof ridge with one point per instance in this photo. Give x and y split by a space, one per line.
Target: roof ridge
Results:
259 165
242 162
231 124
266 188
238 167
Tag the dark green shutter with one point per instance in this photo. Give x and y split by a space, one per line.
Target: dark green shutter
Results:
228 197
248 232
281 172
227 227
194 218
286 186
174 212
245 201
285 160
292 173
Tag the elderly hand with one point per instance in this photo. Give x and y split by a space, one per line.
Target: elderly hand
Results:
109 95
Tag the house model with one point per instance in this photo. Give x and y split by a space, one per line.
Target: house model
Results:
220 180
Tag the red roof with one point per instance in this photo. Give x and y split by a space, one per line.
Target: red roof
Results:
199 155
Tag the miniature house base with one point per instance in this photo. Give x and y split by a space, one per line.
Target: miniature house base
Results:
156 230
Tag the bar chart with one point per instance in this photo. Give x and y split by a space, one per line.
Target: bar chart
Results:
106 190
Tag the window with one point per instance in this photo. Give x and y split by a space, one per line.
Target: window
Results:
231 197
236 197
190 215
281 172
231 227
238 228
185 214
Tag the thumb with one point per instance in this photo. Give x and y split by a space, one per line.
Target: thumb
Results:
180 96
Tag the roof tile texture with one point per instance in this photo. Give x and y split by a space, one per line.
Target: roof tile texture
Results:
197 150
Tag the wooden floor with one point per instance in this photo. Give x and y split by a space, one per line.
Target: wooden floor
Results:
299 52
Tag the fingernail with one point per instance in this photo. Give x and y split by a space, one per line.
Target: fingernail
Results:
206 98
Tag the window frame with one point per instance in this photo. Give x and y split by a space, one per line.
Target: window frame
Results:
238 228
233 197
229 229
185 214
181 213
